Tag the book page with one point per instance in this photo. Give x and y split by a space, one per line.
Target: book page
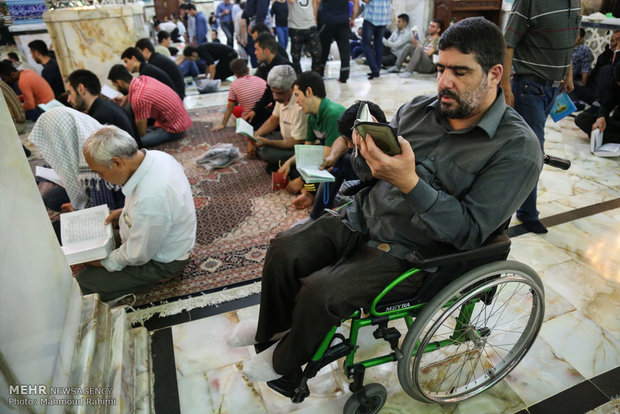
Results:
244 128
87 224
308 156
48 174
363 114
51 104
109 92
596 139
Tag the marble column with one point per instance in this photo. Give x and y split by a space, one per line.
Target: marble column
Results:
93 37
36 286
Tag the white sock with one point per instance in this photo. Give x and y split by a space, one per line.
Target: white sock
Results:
260 366
243 334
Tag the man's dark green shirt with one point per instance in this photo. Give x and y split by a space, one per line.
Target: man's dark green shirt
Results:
471 180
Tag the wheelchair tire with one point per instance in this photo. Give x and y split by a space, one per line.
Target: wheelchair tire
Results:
377 395
503 325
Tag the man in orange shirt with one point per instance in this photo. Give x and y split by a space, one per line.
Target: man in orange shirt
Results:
34 89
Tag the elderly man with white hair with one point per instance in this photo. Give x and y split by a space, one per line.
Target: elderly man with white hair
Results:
157 225
277 147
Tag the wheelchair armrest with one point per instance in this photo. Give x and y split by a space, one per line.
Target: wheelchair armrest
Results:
496 245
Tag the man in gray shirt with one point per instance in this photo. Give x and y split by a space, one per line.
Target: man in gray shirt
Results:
468 161
540 39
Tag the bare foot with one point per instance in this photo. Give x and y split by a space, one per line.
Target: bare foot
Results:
304 200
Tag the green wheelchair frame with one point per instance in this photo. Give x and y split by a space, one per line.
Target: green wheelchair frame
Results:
459 312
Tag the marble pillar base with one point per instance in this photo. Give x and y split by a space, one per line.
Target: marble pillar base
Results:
100 349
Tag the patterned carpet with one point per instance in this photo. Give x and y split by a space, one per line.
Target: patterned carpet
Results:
237 211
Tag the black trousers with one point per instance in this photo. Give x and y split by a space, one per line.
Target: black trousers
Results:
586 119
314 276
340 33
222 69
310 39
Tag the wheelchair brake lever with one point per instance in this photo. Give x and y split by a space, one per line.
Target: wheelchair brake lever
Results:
557 162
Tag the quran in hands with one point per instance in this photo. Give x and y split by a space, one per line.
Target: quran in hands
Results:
308 159
84 235
382 134
245 129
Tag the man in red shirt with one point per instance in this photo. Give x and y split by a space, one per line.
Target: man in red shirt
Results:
35 90
150 98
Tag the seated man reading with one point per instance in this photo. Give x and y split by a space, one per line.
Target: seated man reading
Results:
323 114
276 147
151 99
467 163
157 224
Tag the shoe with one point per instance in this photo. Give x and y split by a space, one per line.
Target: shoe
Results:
243 334
406 75
373 75
393 69
535 227
287 384
342 81
260 366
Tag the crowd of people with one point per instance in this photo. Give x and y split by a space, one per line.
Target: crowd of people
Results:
470 156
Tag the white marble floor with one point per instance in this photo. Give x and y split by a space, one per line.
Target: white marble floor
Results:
577 261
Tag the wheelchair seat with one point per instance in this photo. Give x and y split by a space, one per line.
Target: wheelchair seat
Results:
439 268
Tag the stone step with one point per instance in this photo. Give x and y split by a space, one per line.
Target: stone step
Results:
120 377
143 389
91 361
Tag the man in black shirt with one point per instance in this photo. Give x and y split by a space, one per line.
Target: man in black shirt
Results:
135 62
266 52
83 89
223 54
260 28
50 72
164 63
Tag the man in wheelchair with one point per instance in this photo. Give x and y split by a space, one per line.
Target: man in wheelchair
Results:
468 161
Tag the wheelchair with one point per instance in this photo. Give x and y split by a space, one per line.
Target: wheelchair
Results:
465 333
473 320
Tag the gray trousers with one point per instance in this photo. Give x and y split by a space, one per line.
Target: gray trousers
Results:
274 156
314 276
132 279
419 61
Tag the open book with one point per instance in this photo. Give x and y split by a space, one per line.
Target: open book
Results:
245 129
603 150
51 104
48 174
308 159
109 92
84 236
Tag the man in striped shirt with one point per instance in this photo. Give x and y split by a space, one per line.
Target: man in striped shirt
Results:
150 98
540 38
244 91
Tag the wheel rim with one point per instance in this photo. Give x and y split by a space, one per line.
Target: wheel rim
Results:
485 350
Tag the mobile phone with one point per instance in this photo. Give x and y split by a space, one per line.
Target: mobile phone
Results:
383 135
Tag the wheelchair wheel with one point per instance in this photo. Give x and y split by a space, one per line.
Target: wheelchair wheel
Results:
475 331
377 395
